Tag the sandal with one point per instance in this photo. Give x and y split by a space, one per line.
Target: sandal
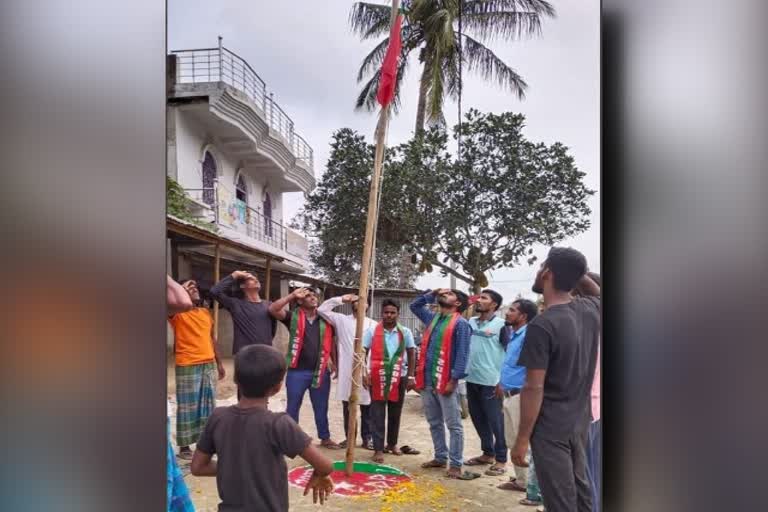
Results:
378 458
496 470
368 445
409 451
477 461
343 444
393 450
330 445
529 503
434 464
511 486
464 475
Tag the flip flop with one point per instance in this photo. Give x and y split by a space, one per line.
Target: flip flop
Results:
434 464
511 486
343 444
409 451
394 451
477 461
465 475
378 460
529 503
331 445
184 455
496 471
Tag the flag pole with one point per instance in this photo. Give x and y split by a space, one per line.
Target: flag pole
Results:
365 272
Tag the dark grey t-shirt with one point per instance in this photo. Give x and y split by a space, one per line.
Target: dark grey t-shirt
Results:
564 340
251 445
310 351
251 321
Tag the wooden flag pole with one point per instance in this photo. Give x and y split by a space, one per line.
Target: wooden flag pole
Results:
365 273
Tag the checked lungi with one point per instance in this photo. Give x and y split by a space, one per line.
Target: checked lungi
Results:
196 399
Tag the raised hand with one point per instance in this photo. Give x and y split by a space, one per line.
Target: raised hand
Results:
300 293
350 297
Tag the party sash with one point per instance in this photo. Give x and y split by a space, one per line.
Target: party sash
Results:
296 343
440 367
386 368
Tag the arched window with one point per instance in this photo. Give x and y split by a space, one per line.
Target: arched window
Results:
209 177
241 189
267 214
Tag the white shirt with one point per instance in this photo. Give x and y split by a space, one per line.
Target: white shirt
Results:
345 326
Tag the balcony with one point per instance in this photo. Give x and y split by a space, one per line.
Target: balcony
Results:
237 94
219 206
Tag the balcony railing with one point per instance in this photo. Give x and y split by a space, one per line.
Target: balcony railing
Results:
208 65
217 204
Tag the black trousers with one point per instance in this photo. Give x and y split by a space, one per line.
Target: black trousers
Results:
363 426
561 468
382 410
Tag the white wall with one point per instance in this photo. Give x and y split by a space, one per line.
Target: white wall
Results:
191 138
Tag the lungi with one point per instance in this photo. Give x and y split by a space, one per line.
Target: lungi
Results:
195 398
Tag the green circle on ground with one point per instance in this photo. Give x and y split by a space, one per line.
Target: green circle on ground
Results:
368 468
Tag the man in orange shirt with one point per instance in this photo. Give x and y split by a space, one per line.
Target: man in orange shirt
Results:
197 364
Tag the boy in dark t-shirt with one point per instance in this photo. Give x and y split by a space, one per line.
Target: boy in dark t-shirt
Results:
251 441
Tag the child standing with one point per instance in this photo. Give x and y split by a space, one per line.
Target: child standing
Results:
251 441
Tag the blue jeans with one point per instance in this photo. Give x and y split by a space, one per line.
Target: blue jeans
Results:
444 411
594 461
487 415
297 382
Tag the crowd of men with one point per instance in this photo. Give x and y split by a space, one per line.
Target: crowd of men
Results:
532 383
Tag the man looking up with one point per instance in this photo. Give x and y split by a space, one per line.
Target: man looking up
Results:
486 354
560 355
310 352
345 326
443 358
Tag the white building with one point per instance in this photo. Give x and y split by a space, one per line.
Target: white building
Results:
235 152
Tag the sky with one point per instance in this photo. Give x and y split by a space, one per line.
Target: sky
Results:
304 51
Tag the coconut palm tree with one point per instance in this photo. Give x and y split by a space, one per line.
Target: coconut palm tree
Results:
430 32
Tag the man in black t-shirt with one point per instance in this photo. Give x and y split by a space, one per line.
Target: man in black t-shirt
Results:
311 358
251 321
560 354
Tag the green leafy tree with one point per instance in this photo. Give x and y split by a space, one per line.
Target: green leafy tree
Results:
430 34
503 197
482 213
334 217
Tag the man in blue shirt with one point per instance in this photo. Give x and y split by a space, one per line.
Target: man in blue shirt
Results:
511 382
486 355
439 371
390 347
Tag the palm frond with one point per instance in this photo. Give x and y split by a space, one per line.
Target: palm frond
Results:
366 100
435 92
365 16
505 25
480 59
373 60
540 7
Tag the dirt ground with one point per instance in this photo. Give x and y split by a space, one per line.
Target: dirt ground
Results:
435 493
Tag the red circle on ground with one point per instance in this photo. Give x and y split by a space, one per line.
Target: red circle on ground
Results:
360 483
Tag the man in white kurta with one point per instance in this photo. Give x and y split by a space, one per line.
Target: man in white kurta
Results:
345 326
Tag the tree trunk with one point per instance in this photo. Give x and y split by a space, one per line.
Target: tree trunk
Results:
421 109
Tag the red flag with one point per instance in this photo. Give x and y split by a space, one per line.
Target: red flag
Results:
388 76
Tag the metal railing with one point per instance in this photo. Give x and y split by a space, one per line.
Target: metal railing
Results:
207 65
213 203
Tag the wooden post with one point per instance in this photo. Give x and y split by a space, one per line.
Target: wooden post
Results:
268 278
216 278
365 272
